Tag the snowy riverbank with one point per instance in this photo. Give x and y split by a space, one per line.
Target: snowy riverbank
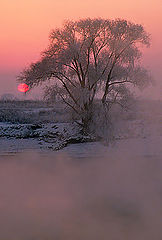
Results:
55 136
19 137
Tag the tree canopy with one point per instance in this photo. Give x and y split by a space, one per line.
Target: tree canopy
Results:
89 58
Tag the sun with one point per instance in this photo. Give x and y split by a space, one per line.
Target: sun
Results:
23 87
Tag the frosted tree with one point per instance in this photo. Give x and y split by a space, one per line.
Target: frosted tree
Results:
89 58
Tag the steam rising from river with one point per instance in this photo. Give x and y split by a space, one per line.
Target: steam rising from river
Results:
57 197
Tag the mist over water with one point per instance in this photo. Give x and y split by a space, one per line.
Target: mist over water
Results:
114 195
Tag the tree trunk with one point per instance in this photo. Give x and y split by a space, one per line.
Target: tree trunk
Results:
86 121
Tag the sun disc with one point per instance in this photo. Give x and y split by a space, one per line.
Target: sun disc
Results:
23 87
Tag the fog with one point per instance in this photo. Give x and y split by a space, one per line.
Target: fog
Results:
114 195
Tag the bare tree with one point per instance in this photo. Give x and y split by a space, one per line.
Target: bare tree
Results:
89 58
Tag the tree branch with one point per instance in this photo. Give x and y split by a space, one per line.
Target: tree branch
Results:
119 82
70 94
68 103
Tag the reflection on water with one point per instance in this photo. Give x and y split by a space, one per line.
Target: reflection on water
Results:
83 192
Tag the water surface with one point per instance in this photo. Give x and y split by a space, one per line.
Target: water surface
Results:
85 191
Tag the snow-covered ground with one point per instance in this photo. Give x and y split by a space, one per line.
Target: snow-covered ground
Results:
145 130
40 137
145 139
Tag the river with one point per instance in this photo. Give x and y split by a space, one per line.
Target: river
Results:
83 192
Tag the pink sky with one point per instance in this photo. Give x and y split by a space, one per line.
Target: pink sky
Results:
25 27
